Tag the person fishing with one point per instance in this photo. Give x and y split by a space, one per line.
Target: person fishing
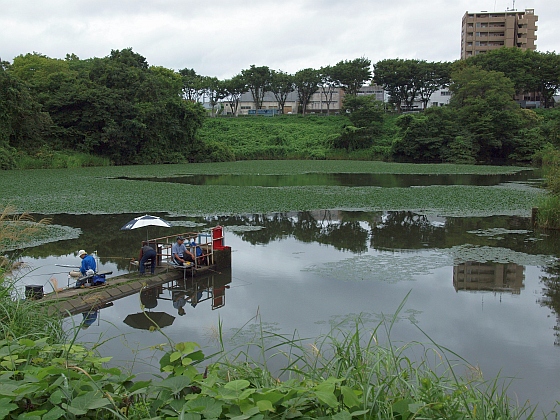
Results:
147 253
88 263
181 254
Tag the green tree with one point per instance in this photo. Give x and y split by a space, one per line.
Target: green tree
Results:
306 82
485 107
35 68
514 63
546 74
23 124
192 84
281 85
327 85
258 81
116 107
433 136
399 78
352 75
215 91
233 89
431 77
366 115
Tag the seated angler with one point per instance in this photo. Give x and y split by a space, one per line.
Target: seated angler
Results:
88 263
181 254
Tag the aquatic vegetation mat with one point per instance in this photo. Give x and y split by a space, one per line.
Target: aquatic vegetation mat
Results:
390 267
101 191
44 235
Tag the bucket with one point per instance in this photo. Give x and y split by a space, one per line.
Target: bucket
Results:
34 291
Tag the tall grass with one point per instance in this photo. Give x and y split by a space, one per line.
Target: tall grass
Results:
348 373
548 215
19 317
47 159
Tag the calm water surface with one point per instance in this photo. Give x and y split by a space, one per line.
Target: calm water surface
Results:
486 288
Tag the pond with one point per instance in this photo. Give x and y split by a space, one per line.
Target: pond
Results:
483 287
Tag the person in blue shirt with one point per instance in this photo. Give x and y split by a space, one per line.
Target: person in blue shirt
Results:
200 258
88 262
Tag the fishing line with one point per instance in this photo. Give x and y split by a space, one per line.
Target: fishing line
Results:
47 274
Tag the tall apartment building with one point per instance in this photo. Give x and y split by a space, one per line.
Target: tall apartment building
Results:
486 31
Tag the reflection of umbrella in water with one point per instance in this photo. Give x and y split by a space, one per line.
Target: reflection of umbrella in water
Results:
147 320
144 221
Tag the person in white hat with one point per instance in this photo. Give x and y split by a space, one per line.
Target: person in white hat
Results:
88 262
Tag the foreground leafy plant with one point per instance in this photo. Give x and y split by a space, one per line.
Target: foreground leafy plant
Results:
40 380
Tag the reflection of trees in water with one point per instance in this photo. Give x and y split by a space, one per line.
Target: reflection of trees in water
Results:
406 230
324 227
353 231
551 295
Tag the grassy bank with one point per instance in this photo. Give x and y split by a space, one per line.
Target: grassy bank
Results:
287 137
281 137
548 215
49 159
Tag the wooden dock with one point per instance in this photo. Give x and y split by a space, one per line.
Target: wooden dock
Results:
72 301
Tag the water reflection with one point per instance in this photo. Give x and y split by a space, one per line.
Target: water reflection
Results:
489 276
301 270
189 292
344 179
353 231
551 295
92 316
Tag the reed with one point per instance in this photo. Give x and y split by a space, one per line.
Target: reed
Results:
18 316
347 372
48 159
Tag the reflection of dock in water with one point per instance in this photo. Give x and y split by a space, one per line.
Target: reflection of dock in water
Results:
489 276
72 301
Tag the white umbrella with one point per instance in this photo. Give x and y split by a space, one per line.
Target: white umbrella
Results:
144 221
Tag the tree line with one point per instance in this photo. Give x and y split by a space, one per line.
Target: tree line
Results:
129 112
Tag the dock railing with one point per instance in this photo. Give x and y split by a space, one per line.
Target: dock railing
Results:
202 240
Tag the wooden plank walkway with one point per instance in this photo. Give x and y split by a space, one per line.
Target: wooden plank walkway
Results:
72 301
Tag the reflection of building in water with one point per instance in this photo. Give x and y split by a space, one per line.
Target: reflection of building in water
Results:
474 275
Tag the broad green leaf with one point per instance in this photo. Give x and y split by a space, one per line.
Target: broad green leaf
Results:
8 390
175 383
26 342
54 413
359 413
186 347
74 410
175 356
272 396
349 397
189 416
342 415
402 407
90 401
265 405
237 385
327 398
207 406
6 407
325 393
33 415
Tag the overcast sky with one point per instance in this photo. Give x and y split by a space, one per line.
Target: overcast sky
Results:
222 37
